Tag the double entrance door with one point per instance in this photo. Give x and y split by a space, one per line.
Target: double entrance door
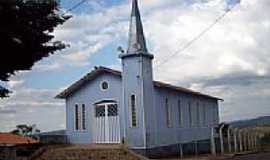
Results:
107 123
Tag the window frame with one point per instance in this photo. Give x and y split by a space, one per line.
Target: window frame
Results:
204 115
101 85
168 113
190 114
83 117
180 113
76 118
116 109
198 116
133 111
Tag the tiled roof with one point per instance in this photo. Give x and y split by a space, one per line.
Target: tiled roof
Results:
181 89
100 70
13 139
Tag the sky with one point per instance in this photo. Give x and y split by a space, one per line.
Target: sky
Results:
230 61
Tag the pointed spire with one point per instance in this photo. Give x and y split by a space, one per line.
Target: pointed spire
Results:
136 42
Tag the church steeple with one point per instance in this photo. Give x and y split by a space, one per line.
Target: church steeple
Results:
137 81
136 43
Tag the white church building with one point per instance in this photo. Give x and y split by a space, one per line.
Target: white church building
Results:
108 106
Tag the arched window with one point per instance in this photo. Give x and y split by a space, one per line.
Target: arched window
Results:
133 111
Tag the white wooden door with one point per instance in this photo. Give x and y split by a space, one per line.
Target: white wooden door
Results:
107 123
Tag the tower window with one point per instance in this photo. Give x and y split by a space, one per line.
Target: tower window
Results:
133 111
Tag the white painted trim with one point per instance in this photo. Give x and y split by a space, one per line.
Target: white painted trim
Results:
108 134
142 101
103 99
106 103
92 122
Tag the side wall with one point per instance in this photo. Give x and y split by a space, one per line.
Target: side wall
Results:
185 133
89 94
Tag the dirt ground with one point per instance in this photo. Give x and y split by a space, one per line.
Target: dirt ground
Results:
257 156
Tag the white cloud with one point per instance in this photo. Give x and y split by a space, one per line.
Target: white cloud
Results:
231 46
236 45
233 53
15 83
31 106
47 67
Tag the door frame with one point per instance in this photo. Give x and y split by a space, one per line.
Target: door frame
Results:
106 122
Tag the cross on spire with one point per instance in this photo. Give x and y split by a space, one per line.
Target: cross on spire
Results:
136 42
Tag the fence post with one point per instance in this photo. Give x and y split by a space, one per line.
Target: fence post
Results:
235 139
245 140
213 144
221 139
240 140
229 140
181 151
196 147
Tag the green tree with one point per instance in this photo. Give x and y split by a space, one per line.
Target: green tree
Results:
26 34
26 130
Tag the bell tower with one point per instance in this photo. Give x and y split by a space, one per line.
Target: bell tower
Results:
137 84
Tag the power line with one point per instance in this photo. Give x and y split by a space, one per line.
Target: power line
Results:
76 5
188 44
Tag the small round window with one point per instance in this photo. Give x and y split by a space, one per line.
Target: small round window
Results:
104 85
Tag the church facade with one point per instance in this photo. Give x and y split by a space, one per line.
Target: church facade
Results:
128 106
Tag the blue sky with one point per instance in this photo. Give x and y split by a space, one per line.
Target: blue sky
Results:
108 53
230 61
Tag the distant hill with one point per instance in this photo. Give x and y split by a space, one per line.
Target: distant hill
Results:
260 121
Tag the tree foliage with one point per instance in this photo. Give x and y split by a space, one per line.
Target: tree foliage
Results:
4 92
26 130
25 34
